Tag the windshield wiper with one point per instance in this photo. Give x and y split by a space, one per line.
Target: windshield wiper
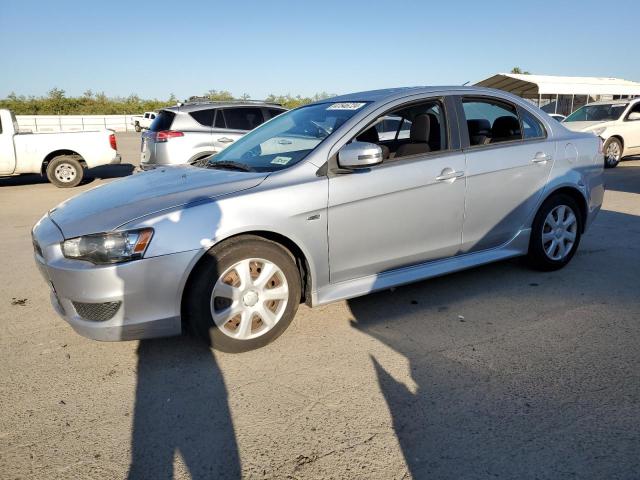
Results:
230 165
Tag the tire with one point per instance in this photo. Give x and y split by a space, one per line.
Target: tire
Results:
542 255
137 127
220 270
612 158
65 171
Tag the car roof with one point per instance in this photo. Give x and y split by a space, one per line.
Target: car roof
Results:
196 106
394 93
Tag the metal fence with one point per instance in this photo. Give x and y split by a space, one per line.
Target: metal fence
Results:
74 123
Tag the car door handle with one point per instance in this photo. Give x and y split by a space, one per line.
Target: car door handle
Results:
449 174
225 140
541 157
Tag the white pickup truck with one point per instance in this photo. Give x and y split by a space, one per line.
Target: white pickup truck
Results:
143 121
62 157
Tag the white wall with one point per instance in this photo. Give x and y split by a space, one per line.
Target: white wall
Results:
73 123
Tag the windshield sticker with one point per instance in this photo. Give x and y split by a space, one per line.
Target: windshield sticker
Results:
346 106
281 160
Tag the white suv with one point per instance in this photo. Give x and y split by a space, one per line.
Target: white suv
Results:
617 122
192 131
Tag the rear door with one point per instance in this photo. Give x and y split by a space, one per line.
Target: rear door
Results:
7 150
508 165
232 123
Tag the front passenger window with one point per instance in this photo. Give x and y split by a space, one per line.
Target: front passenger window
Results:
491 121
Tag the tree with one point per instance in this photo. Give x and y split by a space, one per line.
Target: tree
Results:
219 95
519 70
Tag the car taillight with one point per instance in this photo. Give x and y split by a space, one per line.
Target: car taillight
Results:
165 135
112 141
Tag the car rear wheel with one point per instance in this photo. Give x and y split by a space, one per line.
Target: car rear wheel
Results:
243 294
612 152
555 233
137 127
65 171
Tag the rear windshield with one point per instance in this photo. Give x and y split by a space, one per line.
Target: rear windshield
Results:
163 121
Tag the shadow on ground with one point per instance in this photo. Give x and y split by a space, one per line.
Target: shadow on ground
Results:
102 172
181 409
510 392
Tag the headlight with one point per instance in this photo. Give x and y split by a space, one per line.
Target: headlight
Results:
598 131
107 248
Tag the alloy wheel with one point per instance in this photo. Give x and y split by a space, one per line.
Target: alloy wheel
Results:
559 232
613 152
249 298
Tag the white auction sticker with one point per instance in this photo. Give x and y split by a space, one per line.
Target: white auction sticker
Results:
346 106
281 160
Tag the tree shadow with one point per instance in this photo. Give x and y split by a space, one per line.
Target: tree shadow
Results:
497 395
181 408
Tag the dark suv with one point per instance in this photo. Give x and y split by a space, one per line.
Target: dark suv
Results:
192 131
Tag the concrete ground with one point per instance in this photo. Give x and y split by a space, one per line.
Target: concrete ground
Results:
496 372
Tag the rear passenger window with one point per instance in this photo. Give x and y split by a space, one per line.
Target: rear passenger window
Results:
531 127
274 112
204 117
220 123
246 118
163 121
491 121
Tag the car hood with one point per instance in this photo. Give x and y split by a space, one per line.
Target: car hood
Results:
113 204
582 126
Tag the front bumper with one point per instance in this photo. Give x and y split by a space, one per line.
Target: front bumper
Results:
127 301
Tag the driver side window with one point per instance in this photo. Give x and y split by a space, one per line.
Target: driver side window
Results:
416 129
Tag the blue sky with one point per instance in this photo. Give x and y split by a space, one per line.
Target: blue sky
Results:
154 48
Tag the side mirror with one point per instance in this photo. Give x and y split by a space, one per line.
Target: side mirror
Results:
634 116
359 155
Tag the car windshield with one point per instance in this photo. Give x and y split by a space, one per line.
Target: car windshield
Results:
286 139
597 113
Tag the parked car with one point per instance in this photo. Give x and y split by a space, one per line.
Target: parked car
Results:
229 251
144 121
193 131
62 157
617 122
557 116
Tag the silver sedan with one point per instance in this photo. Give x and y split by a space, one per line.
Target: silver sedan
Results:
314 206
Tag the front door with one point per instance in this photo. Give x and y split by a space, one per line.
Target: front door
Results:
405 211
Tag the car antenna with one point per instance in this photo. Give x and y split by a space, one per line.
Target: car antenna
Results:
466 83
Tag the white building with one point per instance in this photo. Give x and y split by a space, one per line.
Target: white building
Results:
562 94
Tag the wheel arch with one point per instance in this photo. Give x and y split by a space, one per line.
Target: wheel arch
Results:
284 241
57 153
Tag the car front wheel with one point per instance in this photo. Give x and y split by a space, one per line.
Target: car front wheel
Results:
555 233
612 152
243 294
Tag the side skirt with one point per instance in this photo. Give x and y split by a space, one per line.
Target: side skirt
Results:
516 247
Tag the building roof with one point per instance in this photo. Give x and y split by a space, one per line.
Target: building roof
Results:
530 86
